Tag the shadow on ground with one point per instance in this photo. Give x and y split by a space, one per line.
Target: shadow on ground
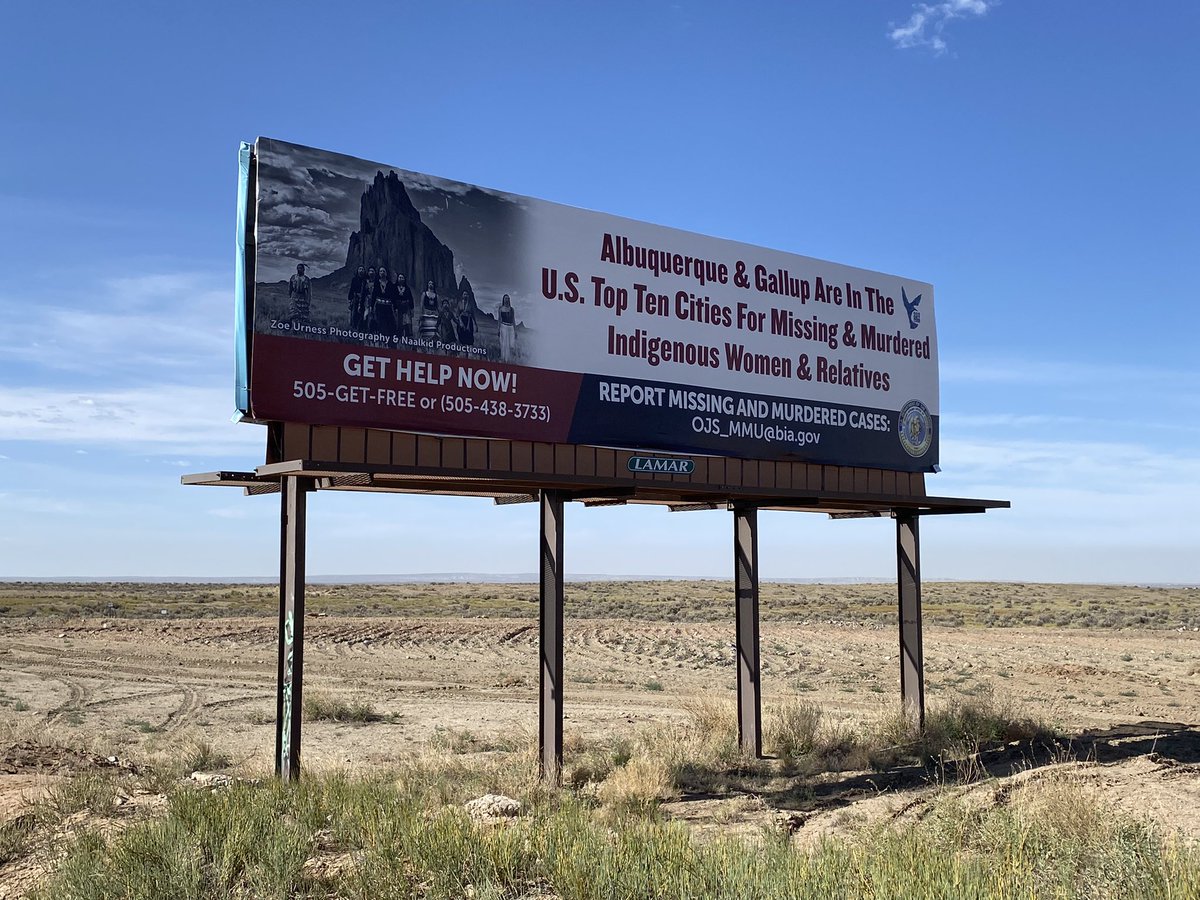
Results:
1167 744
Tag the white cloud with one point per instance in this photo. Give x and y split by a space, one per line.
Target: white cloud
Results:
168 419
926 26
1079 494
1076 400
1108 467
168 323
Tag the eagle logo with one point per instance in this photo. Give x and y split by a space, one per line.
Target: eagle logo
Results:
910 307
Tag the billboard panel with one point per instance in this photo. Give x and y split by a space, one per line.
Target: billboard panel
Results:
391 299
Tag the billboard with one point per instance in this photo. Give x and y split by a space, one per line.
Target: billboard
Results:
384 298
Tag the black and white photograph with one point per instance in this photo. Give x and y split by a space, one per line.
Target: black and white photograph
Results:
361 253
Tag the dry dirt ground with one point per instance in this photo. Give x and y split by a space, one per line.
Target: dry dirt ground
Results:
130 687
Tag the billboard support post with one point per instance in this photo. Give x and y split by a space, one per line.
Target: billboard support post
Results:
912 657
550 701
749 700
289 699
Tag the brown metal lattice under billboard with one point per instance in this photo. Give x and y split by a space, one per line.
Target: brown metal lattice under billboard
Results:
303 458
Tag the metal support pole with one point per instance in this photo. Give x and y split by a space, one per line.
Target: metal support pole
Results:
912 656
550 701
289 698
749 700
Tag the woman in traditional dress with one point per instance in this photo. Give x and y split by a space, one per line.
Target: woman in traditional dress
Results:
404 308
354 299
366 315
430 309
385 307
464 323
300 295
506 316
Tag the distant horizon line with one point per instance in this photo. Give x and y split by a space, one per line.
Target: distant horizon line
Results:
528 578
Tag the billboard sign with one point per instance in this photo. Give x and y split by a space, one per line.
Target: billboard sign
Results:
386 298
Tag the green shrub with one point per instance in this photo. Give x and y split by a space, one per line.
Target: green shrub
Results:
91 791
325 708
202 756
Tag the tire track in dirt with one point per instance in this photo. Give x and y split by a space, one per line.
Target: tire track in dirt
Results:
73 655
148 695
254 634
614 653
185 712
234 701
148 671
77 695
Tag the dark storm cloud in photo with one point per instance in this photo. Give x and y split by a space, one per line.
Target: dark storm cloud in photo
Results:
475 224
310 200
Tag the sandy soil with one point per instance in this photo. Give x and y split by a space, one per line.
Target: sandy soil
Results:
132 687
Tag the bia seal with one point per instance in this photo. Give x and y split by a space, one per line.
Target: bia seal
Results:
916 428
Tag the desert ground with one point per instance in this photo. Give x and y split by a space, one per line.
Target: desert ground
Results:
125 672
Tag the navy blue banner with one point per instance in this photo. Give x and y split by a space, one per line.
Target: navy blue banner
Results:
631 413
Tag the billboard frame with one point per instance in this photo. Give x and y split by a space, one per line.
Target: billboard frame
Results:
822 416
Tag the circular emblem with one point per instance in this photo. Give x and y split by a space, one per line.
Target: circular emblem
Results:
916 428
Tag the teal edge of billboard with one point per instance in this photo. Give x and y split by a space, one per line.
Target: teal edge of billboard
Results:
241 299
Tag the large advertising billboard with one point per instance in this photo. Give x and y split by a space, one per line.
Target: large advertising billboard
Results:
386 298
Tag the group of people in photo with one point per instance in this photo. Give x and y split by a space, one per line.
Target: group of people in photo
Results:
380 302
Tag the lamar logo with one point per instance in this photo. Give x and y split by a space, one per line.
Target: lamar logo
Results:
661 465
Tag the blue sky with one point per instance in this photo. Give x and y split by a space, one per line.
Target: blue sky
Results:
1035 162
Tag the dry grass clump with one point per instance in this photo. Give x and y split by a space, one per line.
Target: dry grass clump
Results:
199 755
89 793
320 707
798 734
793 729
637 787
592 764
92 791
639 771
440 777
16 836
958 727
1052 836
704 755
712 730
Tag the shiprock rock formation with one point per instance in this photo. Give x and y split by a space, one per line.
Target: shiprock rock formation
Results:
391 233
